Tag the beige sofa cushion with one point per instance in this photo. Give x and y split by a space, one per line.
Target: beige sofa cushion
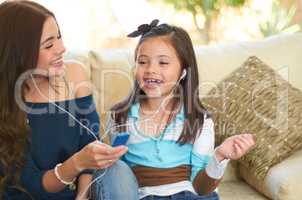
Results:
281 52
254 98
111 74
81 57
238 190
283 181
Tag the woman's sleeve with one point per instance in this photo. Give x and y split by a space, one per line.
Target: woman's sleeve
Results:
90 118
31 179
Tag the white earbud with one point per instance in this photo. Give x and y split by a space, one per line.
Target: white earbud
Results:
183 74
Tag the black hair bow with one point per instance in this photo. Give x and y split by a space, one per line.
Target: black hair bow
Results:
144 28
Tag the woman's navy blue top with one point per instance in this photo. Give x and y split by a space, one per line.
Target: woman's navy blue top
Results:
55 137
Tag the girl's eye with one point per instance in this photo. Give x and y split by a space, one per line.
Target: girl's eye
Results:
164 63
141 62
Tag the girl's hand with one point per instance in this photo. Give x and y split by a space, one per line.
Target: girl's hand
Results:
235 147
97 155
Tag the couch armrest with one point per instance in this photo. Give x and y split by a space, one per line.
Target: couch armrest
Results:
283 181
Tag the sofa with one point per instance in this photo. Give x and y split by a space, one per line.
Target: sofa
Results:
111 74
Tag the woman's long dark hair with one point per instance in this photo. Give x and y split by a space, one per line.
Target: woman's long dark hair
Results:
189 94
21 25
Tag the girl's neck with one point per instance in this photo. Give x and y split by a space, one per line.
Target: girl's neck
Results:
152 105
158 113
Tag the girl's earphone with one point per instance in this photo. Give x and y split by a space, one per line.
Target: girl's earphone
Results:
183 74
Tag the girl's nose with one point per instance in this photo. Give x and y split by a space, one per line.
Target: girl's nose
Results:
152 68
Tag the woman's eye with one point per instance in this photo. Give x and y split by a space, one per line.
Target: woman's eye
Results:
49 46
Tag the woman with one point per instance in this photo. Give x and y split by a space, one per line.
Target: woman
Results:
48 121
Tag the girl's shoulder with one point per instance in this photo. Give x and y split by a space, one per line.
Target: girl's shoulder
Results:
78 80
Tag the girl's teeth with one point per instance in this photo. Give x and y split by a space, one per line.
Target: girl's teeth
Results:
153 81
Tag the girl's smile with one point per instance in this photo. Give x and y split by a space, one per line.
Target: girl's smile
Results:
157 67
152 83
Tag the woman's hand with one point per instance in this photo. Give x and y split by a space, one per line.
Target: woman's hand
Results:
235 147
97 155
83 187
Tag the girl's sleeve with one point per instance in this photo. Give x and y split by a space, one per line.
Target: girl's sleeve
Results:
203 148
203 157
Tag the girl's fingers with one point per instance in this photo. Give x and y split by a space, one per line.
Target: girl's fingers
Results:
249 137
247 143
238 150
241 144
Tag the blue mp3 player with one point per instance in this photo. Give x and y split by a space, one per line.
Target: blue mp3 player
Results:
121 139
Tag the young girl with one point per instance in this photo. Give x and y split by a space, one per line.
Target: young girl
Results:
44 152
171 144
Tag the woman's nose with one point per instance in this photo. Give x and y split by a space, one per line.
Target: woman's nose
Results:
60 48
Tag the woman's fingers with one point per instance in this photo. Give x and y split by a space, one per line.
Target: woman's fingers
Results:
113 156
106 157
104 163
120 150
99 155
101 148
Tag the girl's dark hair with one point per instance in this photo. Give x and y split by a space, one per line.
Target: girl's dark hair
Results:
21 29
188 92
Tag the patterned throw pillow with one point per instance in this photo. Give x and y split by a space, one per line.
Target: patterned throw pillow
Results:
256 99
